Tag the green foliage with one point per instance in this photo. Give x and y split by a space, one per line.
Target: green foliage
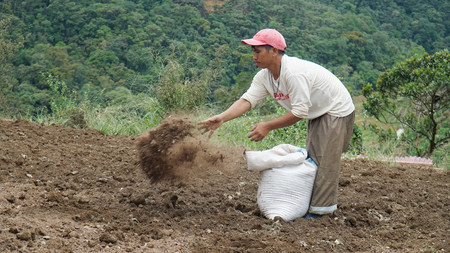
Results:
132 118
103 59
9 46
119 96
176 92
105 44
225 96
356 141
129 115
415 94
64 107
294 134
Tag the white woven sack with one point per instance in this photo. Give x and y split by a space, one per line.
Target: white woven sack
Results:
286 192
286 182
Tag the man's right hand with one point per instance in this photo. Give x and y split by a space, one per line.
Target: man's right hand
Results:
235 110
210 124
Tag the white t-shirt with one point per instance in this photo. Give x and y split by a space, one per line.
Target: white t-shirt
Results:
305 88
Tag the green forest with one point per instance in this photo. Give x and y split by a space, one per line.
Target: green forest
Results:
161 55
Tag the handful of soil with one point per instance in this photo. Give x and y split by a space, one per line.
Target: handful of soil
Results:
153 147
171 152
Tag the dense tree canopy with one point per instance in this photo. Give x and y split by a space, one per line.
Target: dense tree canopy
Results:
99 46
9 45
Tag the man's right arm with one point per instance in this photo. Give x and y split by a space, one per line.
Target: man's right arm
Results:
235 110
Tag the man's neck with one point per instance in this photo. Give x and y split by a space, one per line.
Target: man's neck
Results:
275 68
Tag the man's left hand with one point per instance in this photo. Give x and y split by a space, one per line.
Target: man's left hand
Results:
258 132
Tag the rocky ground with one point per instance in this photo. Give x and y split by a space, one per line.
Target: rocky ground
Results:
74 190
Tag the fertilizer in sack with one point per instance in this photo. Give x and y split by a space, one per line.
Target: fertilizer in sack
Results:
286 182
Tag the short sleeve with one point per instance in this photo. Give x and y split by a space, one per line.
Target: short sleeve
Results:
257 90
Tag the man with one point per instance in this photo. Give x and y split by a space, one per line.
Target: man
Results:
307 91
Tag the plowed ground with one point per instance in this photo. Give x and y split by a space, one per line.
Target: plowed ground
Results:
77 190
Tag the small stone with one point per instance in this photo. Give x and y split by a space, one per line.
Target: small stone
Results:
83 200
278 218
74 234
108 238
338 242
38 183
25 236
14 230
55 197
102 180
303 244
138 200
91 243
10 198
38 231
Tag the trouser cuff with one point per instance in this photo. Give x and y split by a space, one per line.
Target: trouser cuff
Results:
322 209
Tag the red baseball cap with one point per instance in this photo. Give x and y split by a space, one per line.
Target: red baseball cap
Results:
269 37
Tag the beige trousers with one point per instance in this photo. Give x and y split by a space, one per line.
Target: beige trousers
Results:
328 137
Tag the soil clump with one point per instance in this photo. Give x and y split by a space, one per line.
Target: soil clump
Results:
171 151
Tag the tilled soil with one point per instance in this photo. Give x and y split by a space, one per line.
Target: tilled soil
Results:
73 190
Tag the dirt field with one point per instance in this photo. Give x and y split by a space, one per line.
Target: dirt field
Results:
71 190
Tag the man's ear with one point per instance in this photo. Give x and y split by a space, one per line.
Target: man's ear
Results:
274 51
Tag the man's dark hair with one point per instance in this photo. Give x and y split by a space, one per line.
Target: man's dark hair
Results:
269 47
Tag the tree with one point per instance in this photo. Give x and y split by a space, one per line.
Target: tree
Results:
415 93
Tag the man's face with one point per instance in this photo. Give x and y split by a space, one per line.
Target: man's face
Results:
262 56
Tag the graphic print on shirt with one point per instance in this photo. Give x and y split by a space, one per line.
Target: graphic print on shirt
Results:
280 96
277 94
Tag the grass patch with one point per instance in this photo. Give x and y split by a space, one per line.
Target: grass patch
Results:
144 113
